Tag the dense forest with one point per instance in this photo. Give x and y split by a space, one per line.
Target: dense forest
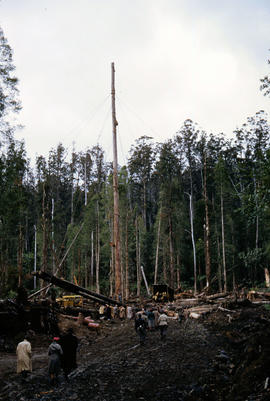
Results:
194 210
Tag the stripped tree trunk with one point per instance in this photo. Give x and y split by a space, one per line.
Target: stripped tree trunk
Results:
97 251
111 262
127 264
122 270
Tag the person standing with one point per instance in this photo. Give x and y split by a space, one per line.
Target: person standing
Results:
129 312
24 354
163 325
122 313
69 344
55 352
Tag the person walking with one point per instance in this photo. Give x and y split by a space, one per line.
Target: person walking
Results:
140 327
24 354
163 325
55 352
69 344
180 315
151 320
156 314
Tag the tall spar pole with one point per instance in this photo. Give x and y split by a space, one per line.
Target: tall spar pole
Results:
116 240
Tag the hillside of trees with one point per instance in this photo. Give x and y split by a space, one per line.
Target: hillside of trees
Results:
194 210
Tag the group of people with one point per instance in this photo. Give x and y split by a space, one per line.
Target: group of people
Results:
61 353
151 320
109 312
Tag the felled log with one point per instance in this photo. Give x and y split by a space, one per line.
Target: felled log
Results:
218 295
197 312
226 310
194 315
81 320
252 295
188 302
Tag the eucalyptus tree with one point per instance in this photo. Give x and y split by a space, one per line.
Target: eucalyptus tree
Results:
13 205
168 170
140 166
253 141
187 138
13 166
204 155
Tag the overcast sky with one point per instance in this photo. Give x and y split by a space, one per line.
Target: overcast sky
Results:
174 59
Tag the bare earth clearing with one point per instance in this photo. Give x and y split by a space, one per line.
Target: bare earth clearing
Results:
212 358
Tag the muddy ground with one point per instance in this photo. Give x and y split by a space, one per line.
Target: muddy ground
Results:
220 357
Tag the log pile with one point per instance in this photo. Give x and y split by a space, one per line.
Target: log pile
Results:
197 307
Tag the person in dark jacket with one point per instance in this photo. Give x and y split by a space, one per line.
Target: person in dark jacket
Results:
69 344
140 327
151 319
55 352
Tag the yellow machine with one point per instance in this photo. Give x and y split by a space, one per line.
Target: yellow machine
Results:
70 300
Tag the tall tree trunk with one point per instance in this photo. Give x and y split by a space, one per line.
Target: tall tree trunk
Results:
118 284
122 270
178 283
72 200
85 271
193 243
44 236
219 260
223 241
144 203
171 255
92 262
164 265
20 254
79 267
52 234
157 248
207 231
111 262
257 225
73 268
127 264
138 258
97 251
